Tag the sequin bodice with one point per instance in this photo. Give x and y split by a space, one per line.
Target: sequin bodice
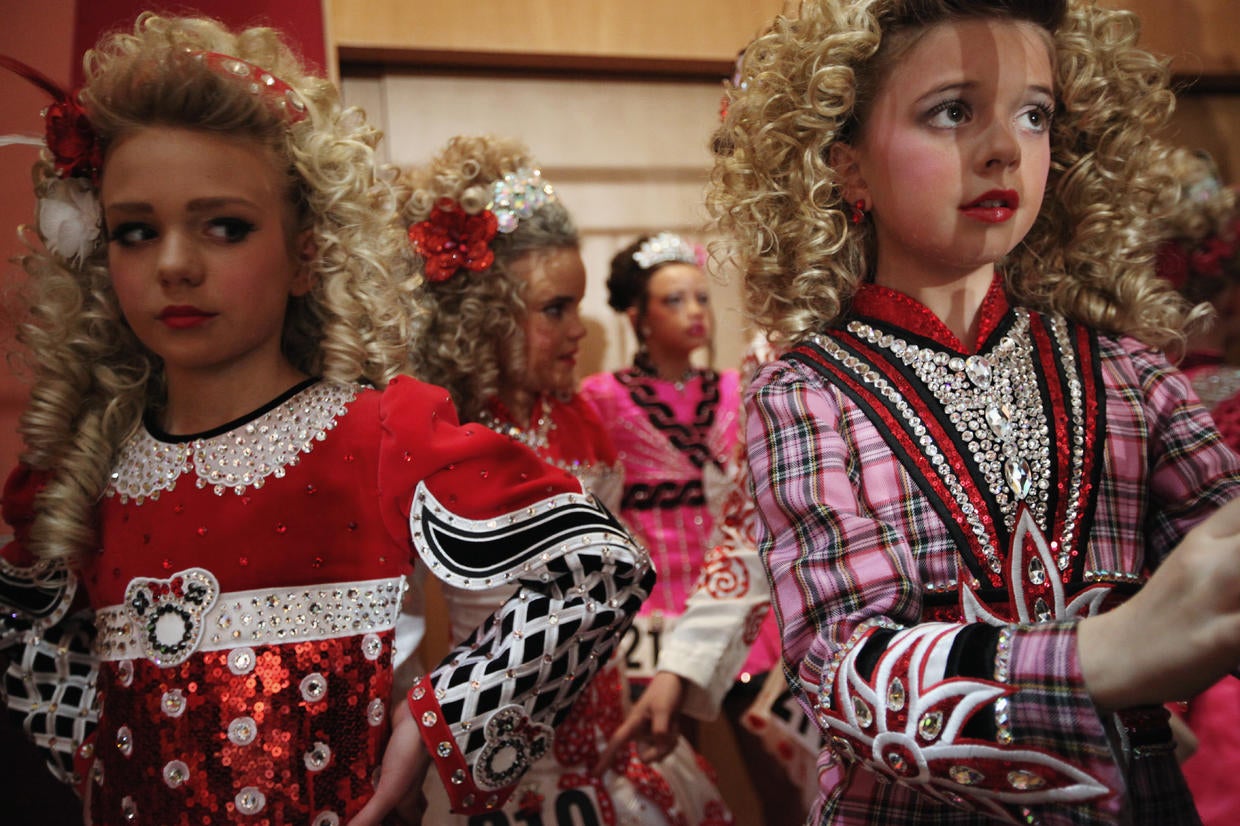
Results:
246 591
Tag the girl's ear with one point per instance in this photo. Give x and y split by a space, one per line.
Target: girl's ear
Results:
844 159
307 254
634 320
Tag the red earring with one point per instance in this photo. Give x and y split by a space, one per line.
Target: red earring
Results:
858 212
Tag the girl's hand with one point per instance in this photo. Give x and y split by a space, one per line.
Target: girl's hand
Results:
405 761
653 722
1180 633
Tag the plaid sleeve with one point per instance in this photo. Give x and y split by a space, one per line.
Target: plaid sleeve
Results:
1191 470
991 718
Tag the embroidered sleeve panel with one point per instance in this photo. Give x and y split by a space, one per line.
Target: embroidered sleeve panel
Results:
49 684
919 706
581 581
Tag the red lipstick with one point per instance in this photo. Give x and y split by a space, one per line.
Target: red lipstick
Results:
993 207
180 317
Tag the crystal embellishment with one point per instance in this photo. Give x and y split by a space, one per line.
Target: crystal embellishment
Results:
930 725
966 775
999 419
864 716
317 758
242 731
250 800
977 368
517 196
1019 477
895 694
124 741
374 712
1037 571
175 773
238 460
1024 780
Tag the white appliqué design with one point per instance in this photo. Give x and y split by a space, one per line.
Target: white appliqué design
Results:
242 458
912 733
170 613
1036 593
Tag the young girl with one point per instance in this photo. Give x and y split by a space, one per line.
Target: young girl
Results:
501 331
973 465
208 458
674 424
675 427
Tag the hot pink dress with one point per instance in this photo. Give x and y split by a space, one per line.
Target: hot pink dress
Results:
676 440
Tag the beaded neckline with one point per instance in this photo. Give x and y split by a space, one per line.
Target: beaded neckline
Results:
534 437
258 447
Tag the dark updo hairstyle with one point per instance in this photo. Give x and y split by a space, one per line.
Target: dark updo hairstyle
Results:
627 283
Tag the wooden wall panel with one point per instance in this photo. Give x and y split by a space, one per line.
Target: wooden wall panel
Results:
1210 122
697 35
1203 36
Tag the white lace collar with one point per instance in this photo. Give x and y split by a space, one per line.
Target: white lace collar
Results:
240 456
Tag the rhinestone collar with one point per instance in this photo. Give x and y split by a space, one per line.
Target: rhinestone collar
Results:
241 455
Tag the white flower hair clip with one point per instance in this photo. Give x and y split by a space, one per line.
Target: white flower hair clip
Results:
69 218
666 248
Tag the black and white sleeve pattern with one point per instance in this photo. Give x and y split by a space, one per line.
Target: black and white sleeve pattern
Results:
488 711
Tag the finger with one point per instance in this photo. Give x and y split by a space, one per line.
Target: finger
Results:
655 749
397 773
660 721
626 732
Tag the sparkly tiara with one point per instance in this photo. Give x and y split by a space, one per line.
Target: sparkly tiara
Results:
666 248
517 196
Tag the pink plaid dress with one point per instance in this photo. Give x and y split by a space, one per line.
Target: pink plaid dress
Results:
936 520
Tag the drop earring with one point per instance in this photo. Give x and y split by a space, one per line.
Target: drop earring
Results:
857 212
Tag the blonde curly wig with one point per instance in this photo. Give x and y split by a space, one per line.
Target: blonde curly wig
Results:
92 379
468 334
808 84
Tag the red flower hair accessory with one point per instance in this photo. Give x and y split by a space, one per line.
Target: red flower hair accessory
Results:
68 136
451 239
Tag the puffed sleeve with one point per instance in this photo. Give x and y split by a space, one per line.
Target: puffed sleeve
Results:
484 511
724 614
1192 470
46 635
932 704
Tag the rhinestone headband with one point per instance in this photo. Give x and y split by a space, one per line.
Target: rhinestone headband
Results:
517 195
261 82
665 248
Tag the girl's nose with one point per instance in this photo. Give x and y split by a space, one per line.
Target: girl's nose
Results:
178 261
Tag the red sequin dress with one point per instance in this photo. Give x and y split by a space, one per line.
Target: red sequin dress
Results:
561 789
248 581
